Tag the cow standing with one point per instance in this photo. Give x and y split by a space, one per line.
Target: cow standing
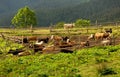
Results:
68 26
98 36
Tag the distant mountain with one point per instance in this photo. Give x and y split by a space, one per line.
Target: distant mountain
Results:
101 10
53 11
9 7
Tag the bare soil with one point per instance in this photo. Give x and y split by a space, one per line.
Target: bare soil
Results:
77 46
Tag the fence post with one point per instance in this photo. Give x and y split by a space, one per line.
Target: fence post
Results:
117 26
31 29
101 29
79 43
50 28
68 32
114 41
87 30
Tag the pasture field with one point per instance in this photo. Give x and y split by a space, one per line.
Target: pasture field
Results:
61 31
91 62
97 61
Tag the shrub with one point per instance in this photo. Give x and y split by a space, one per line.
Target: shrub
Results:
78 75
113 49
43 75
104 70
108 71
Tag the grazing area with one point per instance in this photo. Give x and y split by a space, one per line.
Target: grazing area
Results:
42 53
92 62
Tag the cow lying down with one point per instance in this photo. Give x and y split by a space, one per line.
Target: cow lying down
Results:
19 52
106 42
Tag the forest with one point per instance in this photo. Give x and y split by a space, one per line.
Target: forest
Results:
52 12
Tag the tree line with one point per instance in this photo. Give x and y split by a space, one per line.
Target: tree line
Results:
100 10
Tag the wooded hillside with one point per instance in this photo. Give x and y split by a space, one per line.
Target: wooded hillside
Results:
51 12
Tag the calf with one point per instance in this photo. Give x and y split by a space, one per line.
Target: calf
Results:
83 44
48 49
70 42
24 53
106 42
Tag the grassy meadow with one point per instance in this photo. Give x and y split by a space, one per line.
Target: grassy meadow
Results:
91 62
61 31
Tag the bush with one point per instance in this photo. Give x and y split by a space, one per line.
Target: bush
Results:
107 71
43 75
104 70
113 49
82 23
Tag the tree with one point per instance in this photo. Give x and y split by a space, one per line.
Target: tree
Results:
82 23
24 18
59 25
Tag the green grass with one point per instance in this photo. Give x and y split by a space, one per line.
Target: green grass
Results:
6 45
82 63
61 31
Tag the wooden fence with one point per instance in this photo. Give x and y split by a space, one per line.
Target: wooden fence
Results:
74 31
88 30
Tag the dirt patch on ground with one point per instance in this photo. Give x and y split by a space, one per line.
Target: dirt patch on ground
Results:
83 38
77 46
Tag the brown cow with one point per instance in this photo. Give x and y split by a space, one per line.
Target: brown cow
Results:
69 42
48 49
30 38
56 39
98 36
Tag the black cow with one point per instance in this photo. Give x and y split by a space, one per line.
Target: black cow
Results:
45 40
65 38
108 30
15 52
66 51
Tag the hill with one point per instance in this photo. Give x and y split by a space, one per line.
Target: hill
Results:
9 8
53 11
101 10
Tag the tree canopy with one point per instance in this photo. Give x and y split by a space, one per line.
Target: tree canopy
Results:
59 25
82 23
24 18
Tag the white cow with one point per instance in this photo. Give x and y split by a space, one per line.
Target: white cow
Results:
68 26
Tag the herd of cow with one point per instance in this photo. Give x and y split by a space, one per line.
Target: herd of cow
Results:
57 43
